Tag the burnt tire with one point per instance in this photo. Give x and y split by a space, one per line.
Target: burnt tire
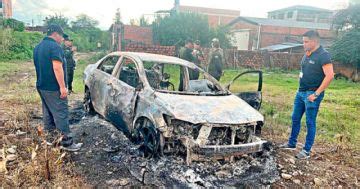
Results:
147 137
87 104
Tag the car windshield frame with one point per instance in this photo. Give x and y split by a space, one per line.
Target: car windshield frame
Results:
220 92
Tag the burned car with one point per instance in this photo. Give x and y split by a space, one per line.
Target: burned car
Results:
151 99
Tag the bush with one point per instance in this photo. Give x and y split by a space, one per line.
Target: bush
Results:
346 48
18 45
13 24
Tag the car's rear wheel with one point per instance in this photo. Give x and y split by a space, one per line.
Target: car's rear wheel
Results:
88 106
148 137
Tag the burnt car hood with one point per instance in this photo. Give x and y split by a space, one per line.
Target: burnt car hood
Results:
228 109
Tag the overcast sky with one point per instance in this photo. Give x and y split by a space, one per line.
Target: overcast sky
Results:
104 10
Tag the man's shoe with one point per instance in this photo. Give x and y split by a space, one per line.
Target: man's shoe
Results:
286 146
73 147
48 143
303 155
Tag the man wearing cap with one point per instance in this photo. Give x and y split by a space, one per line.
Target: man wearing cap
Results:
216 60
315 76
69 50
50 67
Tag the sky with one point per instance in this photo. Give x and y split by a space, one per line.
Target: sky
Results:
34 11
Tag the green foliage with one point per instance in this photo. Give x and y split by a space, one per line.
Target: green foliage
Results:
176 28
13 24
86 35
87 39
346 48
18 45
348 19
57 19
83 22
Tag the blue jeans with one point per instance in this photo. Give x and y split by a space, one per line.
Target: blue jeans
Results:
303 105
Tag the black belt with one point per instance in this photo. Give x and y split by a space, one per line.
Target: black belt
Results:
308 89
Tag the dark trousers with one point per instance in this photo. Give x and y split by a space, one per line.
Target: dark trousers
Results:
303 105
70 78
55 114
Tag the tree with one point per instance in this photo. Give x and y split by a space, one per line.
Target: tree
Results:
347 19
57 19
346 47
117 18
84 21
143 21
13 24
176 28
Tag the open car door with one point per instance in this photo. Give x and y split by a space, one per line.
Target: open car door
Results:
253 97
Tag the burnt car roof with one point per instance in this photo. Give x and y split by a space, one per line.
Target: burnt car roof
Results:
157 58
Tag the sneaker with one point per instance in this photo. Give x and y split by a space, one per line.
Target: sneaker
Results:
48 143
303 155
286 146
73 147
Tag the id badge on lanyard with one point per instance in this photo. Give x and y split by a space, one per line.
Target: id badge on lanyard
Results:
301 74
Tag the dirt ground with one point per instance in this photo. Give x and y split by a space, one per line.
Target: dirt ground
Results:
108 158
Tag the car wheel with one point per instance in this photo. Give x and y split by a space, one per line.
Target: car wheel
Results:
147 137
88 106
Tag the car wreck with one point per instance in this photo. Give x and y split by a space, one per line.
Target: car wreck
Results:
152 100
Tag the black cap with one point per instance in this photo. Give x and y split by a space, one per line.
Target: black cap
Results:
67 38
55 28
188 41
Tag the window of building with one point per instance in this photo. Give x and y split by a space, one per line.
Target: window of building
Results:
280 16
289 14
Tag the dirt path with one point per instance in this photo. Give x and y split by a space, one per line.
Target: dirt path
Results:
108 158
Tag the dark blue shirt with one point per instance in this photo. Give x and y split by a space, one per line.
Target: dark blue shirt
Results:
312 71
44 53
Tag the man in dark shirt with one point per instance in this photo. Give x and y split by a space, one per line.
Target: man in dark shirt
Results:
69 50
315 76
198 58
186 54
50 67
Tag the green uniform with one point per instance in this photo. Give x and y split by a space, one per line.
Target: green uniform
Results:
216 61
186 54
71 64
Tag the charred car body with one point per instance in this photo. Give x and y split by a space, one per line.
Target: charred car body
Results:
151 99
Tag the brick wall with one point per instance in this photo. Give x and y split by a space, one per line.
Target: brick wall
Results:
215 20
271 35
138 34
155 49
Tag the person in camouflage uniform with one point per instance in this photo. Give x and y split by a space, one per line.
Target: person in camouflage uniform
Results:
216 60
185 53
69 50
198 59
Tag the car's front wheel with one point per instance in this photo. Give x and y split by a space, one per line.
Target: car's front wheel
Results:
148 137
88 106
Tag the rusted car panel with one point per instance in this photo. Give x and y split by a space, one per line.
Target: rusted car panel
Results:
203 121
